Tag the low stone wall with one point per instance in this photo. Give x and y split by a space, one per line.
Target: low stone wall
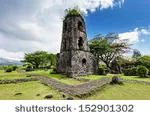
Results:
75 90
18 80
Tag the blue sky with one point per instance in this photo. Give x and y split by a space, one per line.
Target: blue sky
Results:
132 14
31 25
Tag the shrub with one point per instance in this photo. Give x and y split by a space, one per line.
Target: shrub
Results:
142 71
14 67
131 71
127 72
53 71
101 71
144 61
9 69
28 67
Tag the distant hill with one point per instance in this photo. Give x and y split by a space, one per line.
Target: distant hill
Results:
4 61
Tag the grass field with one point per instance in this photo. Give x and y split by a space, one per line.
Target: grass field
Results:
63 78
127 91
10 76
135 78
60 77
29 91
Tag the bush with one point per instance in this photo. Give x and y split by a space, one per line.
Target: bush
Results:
101 71
14 67
131 71
28 67
142 71
9 69
144 61
53 71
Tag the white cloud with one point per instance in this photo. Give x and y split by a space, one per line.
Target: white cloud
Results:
134 36
27 26
144 31
131 36
11 55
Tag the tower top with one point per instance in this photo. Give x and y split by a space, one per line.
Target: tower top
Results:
73 12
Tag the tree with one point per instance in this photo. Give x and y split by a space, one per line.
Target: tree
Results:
108 48
136 54
35 58
144 60
40 59
52 58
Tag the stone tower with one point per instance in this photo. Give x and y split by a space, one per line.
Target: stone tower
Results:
75 58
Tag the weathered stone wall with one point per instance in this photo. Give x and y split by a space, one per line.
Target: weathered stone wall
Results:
75 57
83 63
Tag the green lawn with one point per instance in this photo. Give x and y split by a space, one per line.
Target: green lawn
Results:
64 79
93 77
135 78
127 91
10 76
29 91
59 77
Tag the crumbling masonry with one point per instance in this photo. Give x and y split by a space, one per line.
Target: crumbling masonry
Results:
75 58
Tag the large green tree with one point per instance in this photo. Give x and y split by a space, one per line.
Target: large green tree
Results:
39 58
108 48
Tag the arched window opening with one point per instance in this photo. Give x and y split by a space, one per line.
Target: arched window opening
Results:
80 43
83 62
80 26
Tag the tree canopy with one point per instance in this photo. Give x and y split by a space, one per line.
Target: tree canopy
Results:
108 48
40 58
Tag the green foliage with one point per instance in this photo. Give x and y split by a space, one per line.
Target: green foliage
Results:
28 67
73 12
40 59
108 48
145 61
14 67
53 71
102 70
9 69
126 63
131 71
142 71
3 67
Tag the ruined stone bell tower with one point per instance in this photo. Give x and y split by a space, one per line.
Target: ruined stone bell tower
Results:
75 58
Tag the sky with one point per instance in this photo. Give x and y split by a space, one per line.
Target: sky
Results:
31 25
